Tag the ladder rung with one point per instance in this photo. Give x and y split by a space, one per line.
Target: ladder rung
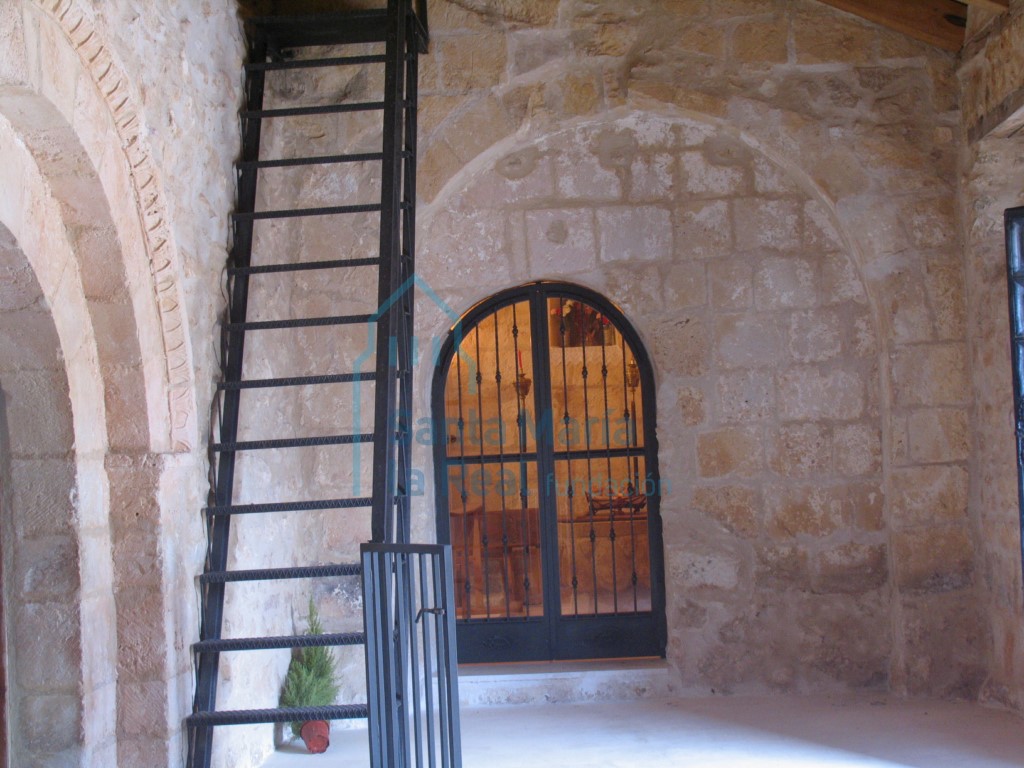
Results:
304 265
294 213
288 162
337 61
277 574
324 109
289 506
308 322
291 442
279 715
285 641
298 381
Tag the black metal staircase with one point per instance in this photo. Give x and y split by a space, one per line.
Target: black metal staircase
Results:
401 31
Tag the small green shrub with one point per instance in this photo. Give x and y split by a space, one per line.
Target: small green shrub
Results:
312 679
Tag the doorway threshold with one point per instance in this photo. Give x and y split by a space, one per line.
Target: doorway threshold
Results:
554 682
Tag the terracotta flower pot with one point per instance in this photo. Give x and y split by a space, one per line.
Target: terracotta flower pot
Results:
317 735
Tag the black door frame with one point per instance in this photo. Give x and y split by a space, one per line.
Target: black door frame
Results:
553 635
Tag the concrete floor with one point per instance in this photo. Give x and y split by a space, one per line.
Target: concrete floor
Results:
737 732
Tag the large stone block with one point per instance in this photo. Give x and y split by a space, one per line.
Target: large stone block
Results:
946 642
746 341
939 559
782 566
703 230
561 240
814 336
681 344
42 497
938 435
718 571
811 393
38 414
45 569
50 723
474 61
730 451
857 449
933 495
685 285
49 651
852 568
820 38
764 41
736 508
731 283
784 283
703 178
746 396
640 233
801 450
804 510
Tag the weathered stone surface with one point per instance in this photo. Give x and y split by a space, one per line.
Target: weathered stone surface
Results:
939 559
474 61
929 495
735 507
852 568
733 450
746 396
801 450
812 393
805 510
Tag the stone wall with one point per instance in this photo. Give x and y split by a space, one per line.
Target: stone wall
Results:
993 181
102 198
768 190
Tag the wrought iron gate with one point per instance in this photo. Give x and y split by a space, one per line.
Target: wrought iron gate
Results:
1014 221
547 478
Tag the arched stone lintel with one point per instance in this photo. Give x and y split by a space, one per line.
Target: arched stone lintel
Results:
113 86
44 223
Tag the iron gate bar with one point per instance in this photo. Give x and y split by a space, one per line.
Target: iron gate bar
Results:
279 642
501 452
1013 220
296 213
307 322
335 61
410 623
384 469
290 162
274 574
290 506
323 109
298 381
304 265
574 583
639 625
298 31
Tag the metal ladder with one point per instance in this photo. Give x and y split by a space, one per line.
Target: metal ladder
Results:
402 31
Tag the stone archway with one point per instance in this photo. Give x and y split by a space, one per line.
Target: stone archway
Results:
40 553
767 350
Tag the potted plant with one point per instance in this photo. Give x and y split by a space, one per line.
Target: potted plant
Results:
311 681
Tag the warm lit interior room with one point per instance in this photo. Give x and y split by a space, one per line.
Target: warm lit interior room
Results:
511 382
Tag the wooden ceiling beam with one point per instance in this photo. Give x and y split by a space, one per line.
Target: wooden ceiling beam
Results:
990 5
925 20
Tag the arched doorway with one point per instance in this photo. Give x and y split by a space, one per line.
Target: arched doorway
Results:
547 479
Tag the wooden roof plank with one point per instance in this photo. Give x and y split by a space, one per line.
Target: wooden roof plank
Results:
924 20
